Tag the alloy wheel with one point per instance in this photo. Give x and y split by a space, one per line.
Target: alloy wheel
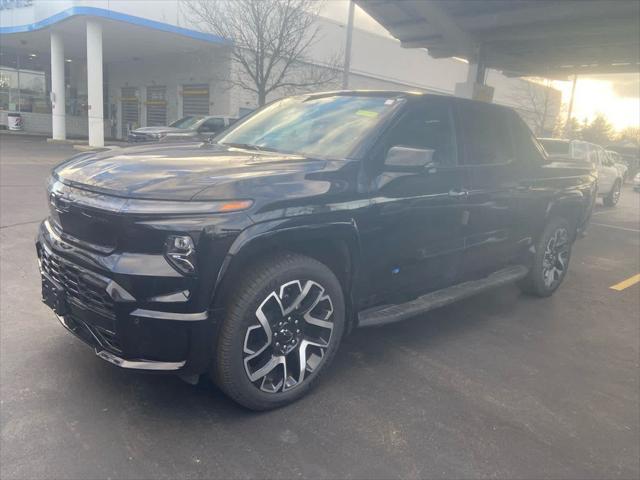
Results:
290 336
556 258
616 194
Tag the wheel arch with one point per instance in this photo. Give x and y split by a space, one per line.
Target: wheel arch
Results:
572 206
335 244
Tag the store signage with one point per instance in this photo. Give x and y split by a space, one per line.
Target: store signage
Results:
11 4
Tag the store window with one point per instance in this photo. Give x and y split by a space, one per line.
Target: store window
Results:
24 82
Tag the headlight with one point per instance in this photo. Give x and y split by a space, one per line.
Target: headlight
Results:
158 135
181 252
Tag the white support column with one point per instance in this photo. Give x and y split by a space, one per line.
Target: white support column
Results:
94 83
58 108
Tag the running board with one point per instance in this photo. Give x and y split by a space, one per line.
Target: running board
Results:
395 313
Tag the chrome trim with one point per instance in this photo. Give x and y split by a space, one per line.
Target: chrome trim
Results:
139 364
180 317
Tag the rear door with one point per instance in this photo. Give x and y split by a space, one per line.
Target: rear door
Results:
607 172
491 180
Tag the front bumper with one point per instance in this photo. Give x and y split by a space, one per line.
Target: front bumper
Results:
84 332
115 313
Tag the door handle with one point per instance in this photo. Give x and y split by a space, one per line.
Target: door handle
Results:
458 193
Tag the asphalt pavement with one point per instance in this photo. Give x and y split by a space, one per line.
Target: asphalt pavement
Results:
498 386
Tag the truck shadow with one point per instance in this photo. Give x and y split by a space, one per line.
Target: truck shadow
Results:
169 400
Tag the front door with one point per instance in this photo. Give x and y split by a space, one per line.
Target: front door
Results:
412 237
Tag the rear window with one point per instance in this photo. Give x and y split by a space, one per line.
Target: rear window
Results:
556 147
487 134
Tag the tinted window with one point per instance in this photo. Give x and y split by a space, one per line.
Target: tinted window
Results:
212 125
556 147
486 130
428 126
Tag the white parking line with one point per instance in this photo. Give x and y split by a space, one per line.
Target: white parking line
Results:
625 229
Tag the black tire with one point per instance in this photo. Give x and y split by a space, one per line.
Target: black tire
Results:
611 200
251 304
537 282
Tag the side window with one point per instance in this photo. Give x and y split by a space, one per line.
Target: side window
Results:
428 126
487 134
527 146
579 151
212 125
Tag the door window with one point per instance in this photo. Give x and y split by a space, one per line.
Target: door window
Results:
212 125
428 126
487 134
579 150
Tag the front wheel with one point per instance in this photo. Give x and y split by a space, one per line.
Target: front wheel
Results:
282 329
611 200
551 259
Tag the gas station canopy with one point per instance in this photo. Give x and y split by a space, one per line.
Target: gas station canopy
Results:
552 39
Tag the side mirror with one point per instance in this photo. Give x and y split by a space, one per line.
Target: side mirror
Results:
407 158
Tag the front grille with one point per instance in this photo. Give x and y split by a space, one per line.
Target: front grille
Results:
80 286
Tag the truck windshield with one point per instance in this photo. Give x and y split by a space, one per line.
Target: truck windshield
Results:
324 126
186 122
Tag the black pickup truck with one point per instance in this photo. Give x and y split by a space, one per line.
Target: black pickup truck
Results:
251 256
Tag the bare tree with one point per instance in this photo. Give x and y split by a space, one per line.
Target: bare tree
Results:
270 42
534 103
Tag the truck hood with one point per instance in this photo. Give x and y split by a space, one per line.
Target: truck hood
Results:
187 171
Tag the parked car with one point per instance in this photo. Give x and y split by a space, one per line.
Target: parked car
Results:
194 128
619 163
579 152
250 258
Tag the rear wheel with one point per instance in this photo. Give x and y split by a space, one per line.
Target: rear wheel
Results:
282 329
551 259
611 200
